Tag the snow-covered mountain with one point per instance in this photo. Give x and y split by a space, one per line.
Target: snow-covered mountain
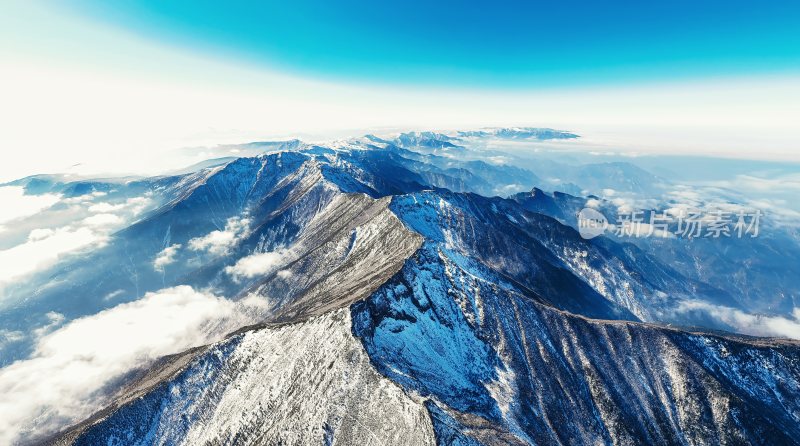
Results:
393 296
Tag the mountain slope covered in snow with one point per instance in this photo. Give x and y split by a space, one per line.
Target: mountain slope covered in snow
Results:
390 294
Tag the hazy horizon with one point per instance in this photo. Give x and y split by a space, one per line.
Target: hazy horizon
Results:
83 85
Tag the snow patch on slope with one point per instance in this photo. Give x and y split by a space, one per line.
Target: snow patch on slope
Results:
304 383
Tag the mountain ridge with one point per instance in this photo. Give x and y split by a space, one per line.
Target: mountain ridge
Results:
484 320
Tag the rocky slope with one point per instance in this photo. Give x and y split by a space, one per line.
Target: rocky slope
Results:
498 367
399 311
305 383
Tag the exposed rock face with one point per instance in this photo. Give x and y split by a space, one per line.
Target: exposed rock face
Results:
499 367
304 383
401 313
590 278
345 252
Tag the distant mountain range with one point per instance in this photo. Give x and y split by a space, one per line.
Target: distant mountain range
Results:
409 296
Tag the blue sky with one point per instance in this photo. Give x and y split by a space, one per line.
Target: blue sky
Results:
92 87
507 43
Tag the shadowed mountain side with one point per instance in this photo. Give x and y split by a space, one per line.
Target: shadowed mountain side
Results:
498 367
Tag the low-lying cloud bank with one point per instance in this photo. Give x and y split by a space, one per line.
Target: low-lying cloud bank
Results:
59 384
17 205
166 257
221 241
43 248
257 264
746 323
55 227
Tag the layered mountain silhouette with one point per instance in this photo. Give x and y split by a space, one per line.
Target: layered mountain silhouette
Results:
406 302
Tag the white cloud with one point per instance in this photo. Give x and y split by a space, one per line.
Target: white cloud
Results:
257 264
54 319
115 214
166 257
40 234
106 207
61 230
499 160
42 249
220 242
80 199
628 203
10 336
746 323
686 195
510 188
17 205
112 295
59 383
138 204
776 210
103 220
776 184
85 198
